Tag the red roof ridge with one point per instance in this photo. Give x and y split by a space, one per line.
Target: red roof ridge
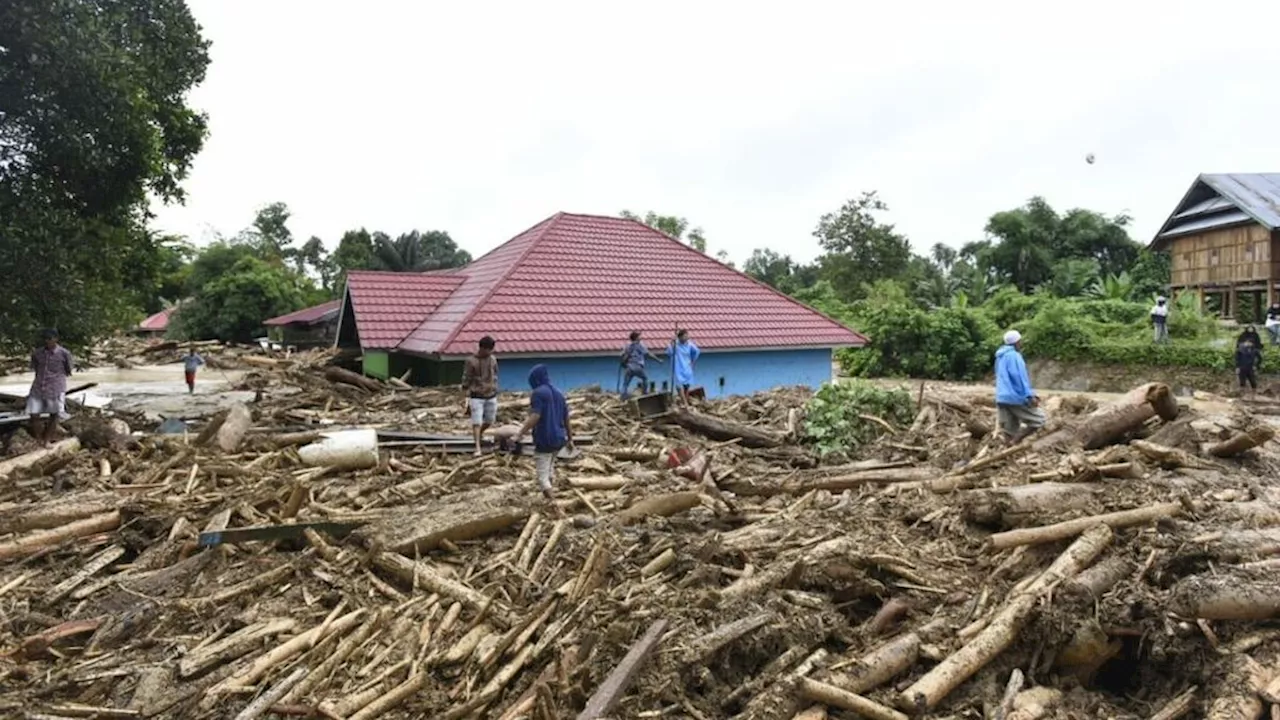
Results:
530 244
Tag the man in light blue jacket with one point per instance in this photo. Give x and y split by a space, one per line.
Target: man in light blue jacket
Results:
1017 406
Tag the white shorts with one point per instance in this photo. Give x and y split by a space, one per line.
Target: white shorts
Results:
484 411
544 464
44 406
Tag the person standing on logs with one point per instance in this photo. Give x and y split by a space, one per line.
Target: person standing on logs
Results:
633 357
549 421
1017 405
480 381
1248 360
684 358
52 365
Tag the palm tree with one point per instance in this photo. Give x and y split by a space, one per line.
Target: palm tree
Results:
419 252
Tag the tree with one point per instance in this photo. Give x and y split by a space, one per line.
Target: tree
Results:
355 251
1112 287
269 236
944 256
671 225
1072 277
419 252
859 248
94 118
314 258
232 306
780 271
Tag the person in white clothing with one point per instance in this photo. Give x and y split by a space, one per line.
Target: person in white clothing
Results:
1160 320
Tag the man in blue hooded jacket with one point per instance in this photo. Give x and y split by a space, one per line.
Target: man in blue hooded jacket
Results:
1017 406
549 421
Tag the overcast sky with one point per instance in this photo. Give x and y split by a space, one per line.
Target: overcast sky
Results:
752 121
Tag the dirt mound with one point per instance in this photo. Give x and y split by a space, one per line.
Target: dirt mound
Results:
220 575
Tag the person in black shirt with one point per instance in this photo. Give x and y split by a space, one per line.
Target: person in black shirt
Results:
1250 334
1248 359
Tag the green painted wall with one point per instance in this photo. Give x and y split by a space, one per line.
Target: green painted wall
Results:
376 364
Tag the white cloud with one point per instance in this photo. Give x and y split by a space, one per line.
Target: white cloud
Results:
752 121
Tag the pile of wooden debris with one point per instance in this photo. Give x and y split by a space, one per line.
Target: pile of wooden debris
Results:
705 565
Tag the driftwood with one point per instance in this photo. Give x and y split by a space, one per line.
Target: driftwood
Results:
1243 442
1228 594
719 429
1238 694
32 543
234 427
1005 626
845 700
1113 421
346 377
609 694
1070 528
36 458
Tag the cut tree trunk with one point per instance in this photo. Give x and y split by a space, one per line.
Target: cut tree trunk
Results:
1114 421
1242 442
1019 504
32 543
718 429
1070 528
469 516
232 431
659 506
1238 693
20 517
1228 594
345 377
36 458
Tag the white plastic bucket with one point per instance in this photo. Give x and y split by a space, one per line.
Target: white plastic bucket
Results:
343 449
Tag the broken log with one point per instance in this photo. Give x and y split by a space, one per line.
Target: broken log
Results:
1243 442
36 458
32 543
717 429
1017 504
232 647
466 516
880 665
1003 629
418 574
1070 528
1099 579
835 697
234 427
20 517
1178 707
340 376
1113 421
659 506
1228 594
703 648
1238 694
609 694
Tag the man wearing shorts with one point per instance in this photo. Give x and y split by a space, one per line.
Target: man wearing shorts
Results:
1017 406
480 380
549 421
47 401
190 364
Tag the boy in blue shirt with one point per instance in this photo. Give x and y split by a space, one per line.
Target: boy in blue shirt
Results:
633 357
549 421
1017 405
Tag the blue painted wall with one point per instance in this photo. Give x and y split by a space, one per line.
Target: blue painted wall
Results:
743 373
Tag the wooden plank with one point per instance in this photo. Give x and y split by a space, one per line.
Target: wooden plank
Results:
610 692
275 532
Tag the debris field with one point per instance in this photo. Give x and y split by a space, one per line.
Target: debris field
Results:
702 564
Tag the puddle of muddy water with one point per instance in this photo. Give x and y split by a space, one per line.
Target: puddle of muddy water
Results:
159 391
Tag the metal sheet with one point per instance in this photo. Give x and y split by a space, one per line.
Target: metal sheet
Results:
1257 194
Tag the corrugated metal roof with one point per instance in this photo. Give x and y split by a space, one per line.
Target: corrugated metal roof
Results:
1223 199
308 316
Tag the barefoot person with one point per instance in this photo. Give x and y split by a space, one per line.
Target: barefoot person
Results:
480 381
190 364
549 421
52 365
1017 405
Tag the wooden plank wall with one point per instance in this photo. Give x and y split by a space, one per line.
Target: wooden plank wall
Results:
1218 257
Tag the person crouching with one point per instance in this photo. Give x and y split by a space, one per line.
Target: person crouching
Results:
549 421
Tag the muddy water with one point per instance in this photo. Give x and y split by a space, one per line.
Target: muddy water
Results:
157 390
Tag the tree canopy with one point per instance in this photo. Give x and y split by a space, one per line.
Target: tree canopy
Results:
94 118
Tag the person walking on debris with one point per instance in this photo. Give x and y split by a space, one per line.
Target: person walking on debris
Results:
684 355
633 357
52 365
480 380
1160 319
190 364
549 421
1248 360
1017 405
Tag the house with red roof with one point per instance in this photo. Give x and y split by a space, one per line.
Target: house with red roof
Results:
567 292
309 327
155 325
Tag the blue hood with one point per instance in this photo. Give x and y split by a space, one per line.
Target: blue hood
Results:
538 376
1005 350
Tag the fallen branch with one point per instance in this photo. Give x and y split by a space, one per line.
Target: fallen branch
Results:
1243 442
38 457
1227 594
1070 528
34 542
845 700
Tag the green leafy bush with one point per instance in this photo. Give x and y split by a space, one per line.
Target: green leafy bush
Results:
834 419
1009 307
1113 312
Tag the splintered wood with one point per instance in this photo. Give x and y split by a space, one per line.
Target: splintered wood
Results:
702 564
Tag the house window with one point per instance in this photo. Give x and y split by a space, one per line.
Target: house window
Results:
1186 260
1213 256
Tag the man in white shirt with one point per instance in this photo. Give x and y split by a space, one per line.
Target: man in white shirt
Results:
1160 319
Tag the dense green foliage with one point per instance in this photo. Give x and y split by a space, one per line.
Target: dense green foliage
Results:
93 119
837 417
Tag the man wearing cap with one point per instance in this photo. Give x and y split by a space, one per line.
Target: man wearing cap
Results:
1160 320
1017 406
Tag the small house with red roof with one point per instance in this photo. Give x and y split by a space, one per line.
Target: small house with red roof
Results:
155 325
567 292
309 327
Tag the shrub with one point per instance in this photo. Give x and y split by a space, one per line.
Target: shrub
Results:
834 416
1009 307
1113 312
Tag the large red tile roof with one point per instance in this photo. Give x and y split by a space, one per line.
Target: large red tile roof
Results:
388 306
581 283
309 315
